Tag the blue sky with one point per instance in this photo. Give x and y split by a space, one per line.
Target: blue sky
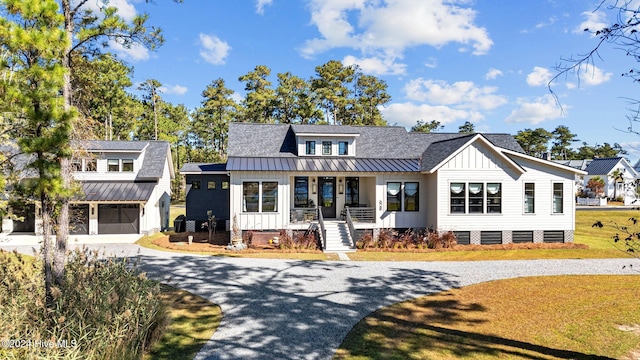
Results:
481 61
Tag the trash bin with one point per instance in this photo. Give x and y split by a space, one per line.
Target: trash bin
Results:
178 224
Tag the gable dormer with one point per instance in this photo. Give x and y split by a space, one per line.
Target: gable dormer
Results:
326 144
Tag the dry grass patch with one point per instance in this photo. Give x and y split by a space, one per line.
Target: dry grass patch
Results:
192 320
526 318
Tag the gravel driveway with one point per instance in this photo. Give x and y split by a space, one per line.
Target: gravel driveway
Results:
281 309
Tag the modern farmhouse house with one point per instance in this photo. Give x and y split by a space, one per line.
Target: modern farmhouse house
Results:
350 178
125 189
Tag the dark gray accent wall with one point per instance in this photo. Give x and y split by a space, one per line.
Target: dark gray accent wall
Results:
200 200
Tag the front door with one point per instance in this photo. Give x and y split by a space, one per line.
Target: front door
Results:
327 196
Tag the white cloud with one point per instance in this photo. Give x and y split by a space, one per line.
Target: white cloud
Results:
595 20
135 52
539 77
125 8
173 89
542 109
461 94
592 75
493 74
432 63
260 5
213 50
376 66
406 114
392 26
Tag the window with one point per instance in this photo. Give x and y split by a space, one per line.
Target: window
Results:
476 198
352 195
470 198
494 198
411 196
250 196
195 184
76 165
343 148
127 165
113 165
260 197
225 185
311 148
211 185
457 198
326 148
90 165
557 198
394 196
269 196
529 198
301 192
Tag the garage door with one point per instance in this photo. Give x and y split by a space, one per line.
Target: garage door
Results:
79 219
118 219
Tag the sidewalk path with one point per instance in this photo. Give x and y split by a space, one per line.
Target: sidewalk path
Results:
281 309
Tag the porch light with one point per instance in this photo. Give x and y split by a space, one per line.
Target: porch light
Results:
340 187
314 187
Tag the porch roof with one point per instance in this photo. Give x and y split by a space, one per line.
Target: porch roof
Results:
117 191
322 164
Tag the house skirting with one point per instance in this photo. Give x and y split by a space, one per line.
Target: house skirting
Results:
509 237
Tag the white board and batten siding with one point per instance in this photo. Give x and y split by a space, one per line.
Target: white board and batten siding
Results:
478 163
400 219
260 220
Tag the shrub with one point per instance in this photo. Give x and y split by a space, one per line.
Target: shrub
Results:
365 241
105 309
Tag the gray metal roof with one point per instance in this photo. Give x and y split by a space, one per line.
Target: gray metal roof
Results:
602 166
117 191
322 164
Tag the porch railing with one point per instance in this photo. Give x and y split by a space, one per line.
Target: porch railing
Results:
362 214
304 215
352 229
323 232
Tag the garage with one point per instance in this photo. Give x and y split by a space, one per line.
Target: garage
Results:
79 219
118 219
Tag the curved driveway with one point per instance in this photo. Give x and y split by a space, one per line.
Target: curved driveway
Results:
284 309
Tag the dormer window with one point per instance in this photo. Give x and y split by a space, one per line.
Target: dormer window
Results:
113 165
343 148
311 148
326 148
127 165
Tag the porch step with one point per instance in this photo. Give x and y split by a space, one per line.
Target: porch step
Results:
338 238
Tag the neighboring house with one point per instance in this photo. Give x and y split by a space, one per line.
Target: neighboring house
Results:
125 189
481 186
607 169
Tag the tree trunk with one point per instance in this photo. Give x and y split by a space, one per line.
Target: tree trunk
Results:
62 233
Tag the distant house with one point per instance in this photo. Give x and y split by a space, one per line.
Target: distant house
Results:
606 168
350 179
125 189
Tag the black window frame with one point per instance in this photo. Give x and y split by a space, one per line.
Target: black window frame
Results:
408 197
126 163
352 191
458 200
111 163
558 199
327 147
494 201
301 191
211 185
476 200
529 198
343 148
310 147
395 199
